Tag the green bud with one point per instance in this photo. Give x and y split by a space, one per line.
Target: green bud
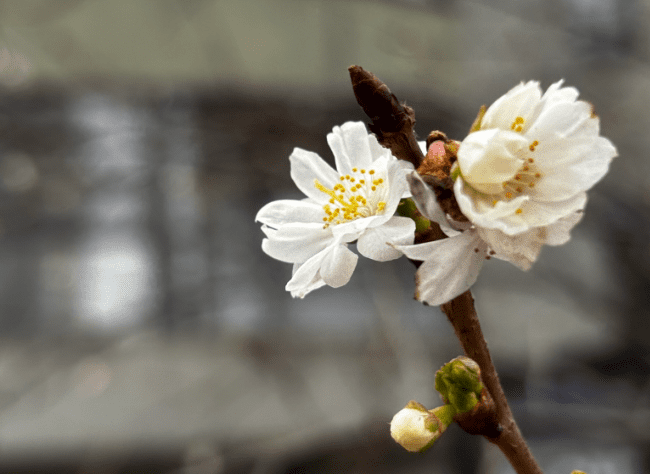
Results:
459 383
407 208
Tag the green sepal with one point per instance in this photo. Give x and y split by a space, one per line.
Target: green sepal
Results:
445 414
455 172
476 126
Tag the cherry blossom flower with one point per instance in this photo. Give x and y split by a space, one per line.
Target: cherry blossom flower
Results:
355 202
520 179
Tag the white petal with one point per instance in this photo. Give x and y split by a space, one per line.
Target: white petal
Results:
450 266
559 232
397 185
407 168
521 250
556 93
295 243
286 211
306 276
349 231
351 147
520 101
306 167
541 214
584 162
558 119
376 150
488 158
338 266
374 243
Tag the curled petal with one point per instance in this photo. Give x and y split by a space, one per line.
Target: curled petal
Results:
482 211
488 158
306 276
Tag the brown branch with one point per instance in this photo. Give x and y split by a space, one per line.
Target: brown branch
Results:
392 122
462 315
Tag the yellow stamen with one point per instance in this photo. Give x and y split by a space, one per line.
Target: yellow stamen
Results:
516 125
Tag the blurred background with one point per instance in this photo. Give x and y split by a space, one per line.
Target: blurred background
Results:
142 329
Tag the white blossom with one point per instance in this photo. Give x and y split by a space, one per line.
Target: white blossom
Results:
520 179
355 202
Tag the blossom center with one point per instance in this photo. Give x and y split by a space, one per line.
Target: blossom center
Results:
524 180
359 194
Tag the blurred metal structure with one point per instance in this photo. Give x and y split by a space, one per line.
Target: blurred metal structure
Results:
143 330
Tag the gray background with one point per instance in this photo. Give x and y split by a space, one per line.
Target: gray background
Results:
142 327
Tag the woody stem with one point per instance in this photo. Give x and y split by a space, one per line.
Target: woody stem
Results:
462 315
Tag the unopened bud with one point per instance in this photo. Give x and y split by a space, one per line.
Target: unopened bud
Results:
415 428
459 383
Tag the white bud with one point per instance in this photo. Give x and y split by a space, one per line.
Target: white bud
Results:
414 428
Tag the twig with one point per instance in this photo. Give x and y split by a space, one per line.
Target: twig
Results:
392 123
462 316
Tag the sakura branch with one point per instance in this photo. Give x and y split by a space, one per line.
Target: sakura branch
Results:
518 181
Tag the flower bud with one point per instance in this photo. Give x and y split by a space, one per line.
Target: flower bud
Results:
415 428
459 383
